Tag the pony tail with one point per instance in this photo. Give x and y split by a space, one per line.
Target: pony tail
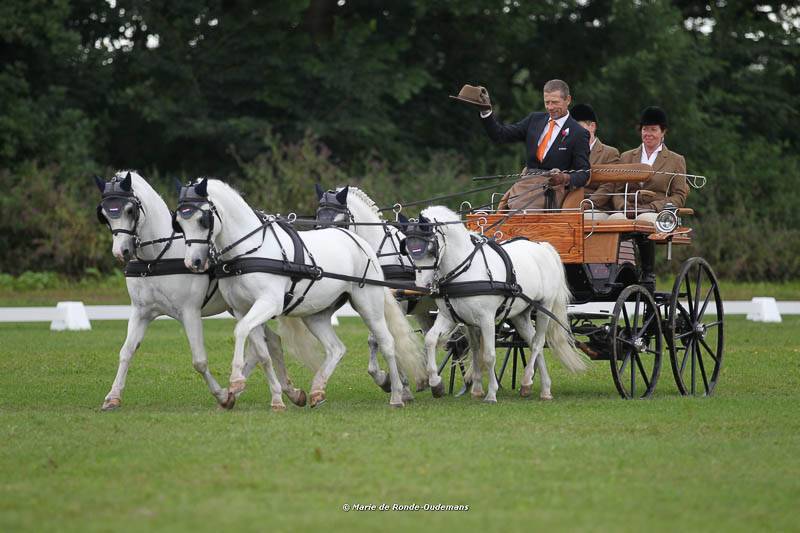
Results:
560 341
298 340
407 345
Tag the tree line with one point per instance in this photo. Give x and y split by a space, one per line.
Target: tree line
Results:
275 96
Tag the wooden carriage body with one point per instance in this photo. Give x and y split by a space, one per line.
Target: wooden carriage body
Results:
599 255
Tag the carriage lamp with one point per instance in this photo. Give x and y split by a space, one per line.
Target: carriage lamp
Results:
667 220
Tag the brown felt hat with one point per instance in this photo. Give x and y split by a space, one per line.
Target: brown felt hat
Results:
477 96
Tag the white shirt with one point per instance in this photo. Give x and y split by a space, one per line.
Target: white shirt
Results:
652 159
591 144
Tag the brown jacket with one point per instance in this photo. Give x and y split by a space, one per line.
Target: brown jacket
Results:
664 187
601 154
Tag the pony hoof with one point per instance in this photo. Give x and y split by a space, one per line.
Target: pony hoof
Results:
489 400
438 390
299 399
278 407
478 395
397 405
422 385
317 398
236 387
386 385
229 402
525 390
407 396
546 397
111 405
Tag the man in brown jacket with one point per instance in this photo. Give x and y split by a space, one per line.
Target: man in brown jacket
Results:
650 197
599 154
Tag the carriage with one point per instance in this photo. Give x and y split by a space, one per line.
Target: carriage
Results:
628 323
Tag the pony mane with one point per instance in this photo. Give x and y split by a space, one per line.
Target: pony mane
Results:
361 195
440 213
139 184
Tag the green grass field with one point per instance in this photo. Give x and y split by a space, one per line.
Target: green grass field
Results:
169 460
111 290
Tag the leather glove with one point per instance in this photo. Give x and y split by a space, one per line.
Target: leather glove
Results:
557 180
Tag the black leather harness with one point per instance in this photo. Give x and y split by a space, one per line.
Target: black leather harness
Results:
509 289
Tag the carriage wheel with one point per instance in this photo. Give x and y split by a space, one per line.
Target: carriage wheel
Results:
695 335
636 343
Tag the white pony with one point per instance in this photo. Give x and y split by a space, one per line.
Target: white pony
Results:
213 215
351 204
441 242
142 229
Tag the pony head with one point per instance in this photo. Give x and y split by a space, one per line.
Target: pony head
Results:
120 210
332 205
421 242
194 217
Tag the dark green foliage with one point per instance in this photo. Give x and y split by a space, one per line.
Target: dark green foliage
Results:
277 96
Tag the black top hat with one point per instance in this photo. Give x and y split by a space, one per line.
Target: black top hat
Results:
653 116
583 113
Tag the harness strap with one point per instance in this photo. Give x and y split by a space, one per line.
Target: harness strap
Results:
163 267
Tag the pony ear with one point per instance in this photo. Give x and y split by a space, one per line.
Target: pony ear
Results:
341 196
320 191
403 220
178 185
202 188
100 182
125 184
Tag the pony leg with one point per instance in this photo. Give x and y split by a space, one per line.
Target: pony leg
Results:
425 321
260 349
295 395
476 349
380 377
535 340
441 325
137 325
193 328
489 357
369 303
261 311
320 326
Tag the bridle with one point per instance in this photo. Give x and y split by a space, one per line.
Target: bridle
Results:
189 203
114 201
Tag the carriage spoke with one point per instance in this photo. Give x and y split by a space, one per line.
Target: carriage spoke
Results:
702 370
647 323
710 351
641 369
689 296
694 365
648 350
626 341
636 313
713 324
624 363
633 378
685 357
682 335
705 303
697 291
625 316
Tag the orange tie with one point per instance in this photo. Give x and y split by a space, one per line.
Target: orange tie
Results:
546 139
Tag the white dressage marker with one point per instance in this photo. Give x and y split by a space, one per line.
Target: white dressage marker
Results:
71 317
764 309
